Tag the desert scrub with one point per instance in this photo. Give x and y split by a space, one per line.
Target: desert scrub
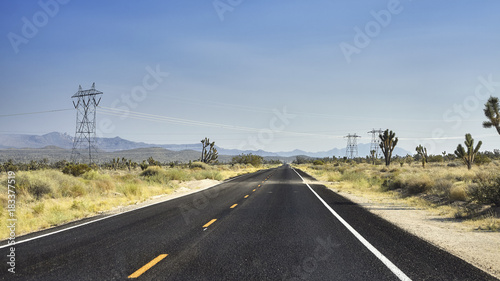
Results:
48 183
486 190
208 174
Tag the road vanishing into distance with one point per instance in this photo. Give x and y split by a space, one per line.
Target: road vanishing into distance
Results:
267 225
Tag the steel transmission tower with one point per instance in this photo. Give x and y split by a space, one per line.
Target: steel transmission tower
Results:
84 144
374 146
351 150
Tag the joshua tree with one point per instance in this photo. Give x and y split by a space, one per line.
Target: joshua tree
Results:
209 152
387 143
491 112
468 157
373 156
422 151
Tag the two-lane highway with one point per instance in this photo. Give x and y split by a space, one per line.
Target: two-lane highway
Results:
268 225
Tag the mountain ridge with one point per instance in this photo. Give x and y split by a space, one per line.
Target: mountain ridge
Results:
115 144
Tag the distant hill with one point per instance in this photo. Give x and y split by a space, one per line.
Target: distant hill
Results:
64 141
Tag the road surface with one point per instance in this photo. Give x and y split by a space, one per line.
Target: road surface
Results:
268 225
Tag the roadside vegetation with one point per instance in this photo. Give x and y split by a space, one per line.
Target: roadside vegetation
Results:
53 194
446 187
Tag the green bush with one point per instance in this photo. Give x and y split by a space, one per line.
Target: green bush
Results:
199 165
318 162
76 169
486 191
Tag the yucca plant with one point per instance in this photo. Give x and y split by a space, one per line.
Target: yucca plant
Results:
422 151
469 155
491 112
388 142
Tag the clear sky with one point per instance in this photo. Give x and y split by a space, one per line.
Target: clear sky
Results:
272 75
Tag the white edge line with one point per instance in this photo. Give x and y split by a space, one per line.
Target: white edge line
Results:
400 274
110 216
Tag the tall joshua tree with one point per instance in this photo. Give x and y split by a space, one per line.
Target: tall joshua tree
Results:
422 151
468 157
209 152
491 112
388 142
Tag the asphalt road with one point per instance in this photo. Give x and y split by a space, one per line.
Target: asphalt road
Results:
267 225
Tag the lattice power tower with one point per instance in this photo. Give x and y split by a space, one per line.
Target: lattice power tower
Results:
351 150
84 144
374 145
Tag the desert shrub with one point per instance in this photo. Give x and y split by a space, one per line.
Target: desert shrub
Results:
34 185
458 193
199 165
72 190
38 208
152 171
481 159
104 185
76 169
177 174
418 184
162 176
486 191
129 189
318 162
95 175
213 175
442 187
333 176
411 184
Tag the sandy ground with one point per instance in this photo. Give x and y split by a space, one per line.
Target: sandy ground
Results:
480 248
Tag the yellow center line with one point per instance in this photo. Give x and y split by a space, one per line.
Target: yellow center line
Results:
209 223
150 264
234 206
258 185
254 190
246 196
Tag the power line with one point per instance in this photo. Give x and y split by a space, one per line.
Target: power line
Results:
36 112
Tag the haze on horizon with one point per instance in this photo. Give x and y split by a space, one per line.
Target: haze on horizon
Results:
276 75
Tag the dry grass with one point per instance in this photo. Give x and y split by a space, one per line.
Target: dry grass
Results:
48 198
447 191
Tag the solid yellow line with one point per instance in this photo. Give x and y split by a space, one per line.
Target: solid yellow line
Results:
150 264
234 206
209 223
247 196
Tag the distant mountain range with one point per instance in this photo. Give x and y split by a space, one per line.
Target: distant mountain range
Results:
59 140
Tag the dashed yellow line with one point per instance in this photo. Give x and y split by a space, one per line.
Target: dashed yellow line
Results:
254 190
150 264
232 207
258 185
209 223
246 196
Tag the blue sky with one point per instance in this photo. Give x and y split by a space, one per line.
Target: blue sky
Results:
271 75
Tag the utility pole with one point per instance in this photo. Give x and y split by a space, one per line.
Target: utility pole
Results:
85 135
374 145
351 150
